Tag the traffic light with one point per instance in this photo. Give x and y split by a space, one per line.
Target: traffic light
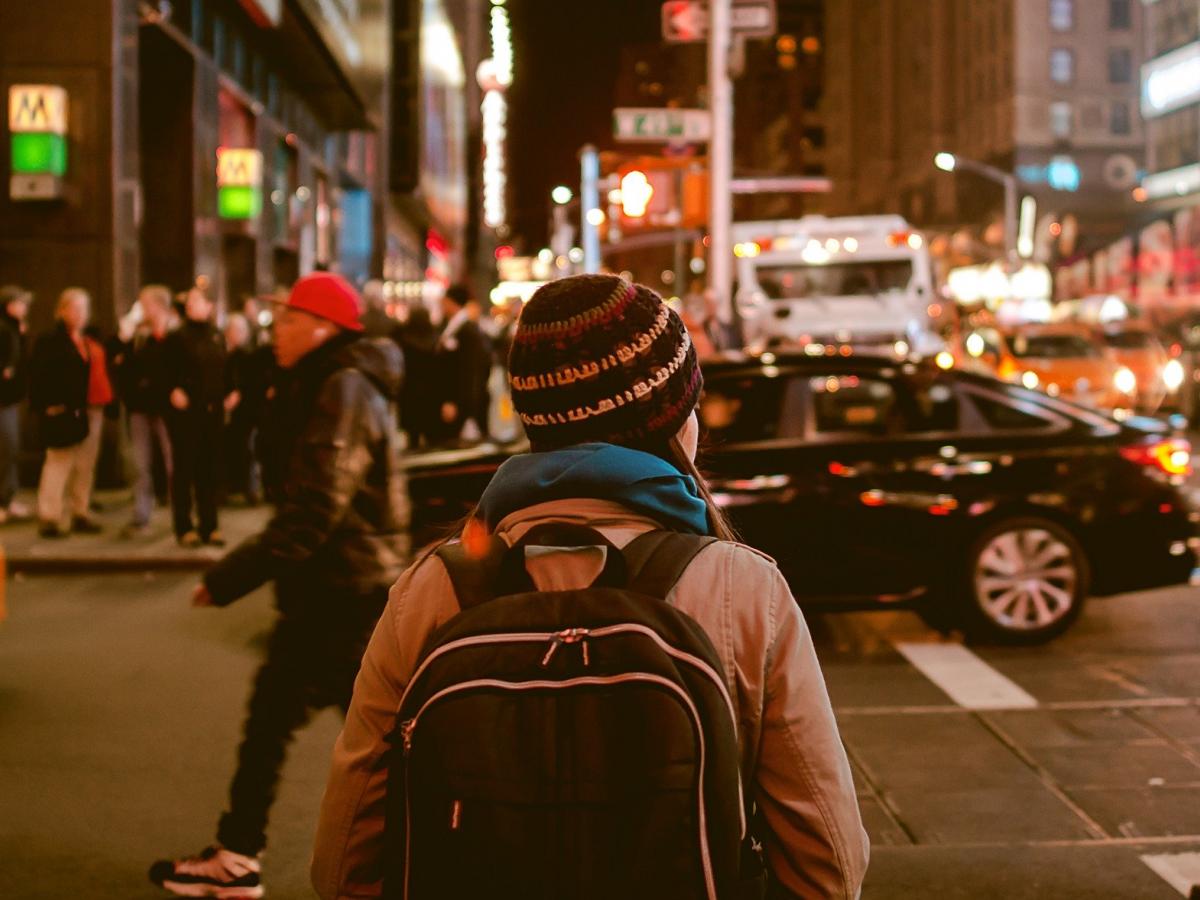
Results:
636 193
663 192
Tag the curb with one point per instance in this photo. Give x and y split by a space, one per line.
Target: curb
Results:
82 565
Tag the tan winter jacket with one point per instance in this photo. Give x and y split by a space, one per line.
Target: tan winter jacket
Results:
791 751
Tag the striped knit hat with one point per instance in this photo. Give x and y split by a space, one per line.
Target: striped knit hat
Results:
595 358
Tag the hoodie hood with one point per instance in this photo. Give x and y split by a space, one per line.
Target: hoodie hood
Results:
638 481
378 359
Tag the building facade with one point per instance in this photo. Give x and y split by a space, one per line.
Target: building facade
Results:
230 145
1171 102
1046 89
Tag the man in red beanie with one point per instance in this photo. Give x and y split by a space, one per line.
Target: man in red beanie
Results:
335 544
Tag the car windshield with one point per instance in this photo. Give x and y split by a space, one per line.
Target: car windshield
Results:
841 280
1130 340
1053 346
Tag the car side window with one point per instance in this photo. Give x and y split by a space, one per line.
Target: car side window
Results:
1002 416
853 405
739 409
931 405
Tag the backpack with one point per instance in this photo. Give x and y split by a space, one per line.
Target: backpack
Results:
569 744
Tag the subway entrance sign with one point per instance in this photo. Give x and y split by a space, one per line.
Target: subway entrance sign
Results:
239 183
37 125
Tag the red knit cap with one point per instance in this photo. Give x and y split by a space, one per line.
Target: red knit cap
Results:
595 358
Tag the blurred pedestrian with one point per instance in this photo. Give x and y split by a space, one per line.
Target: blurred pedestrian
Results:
249 375
419 402
334 545
607 512
68 389
464 364
199 398
376 322
142 378
14 307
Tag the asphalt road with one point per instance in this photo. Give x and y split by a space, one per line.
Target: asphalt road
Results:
1070 771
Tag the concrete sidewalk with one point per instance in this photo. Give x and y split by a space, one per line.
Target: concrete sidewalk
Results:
110 551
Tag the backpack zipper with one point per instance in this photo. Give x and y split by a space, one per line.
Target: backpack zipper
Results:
554 637
410 725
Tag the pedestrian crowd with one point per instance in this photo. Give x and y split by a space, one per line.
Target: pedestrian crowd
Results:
197 402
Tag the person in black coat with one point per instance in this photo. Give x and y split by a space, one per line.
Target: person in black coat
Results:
464 360
142 375
199 398
249 375
336 542
59 374
419 402
14 306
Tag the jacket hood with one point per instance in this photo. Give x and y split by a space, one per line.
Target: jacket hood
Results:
378 359
639 481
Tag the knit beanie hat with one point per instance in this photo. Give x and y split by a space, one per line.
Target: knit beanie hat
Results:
595 358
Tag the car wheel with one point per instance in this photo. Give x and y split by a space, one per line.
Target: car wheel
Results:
1027 580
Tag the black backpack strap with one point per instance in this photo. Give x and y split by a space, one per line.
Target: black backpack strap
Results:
657 559
500 571
474 577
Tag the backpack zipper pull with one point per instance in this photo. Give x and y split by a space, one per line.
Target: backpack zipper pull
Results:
406 730
567 636
557 639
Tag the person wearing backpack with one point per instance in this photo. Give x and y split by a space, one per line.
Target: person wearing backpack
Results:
595 692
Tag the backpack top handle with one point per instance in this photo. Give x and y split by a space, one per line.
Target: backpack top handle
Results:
651 564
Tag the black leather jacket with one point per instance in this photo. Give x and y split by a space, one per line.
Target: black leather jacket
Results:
340 526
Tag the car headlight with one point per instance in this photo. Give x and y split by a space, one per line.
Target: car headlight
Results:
1030 380
1125 381
1173 374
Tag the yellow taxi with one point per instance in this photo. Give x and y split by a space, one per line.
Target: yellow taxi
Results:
1063 360
1137 348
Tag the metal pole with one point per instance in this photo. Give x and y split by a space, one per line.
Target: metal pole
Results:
1010 218
589 199
720 160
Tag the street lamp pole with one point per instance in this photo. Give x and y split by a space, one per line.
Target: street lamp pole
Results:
949 162
720 160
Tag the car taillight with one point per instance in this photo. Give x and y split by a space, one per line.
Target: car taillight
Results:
1173 457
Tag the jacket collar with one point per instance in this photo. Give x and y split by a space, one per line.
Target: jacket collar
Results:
618 523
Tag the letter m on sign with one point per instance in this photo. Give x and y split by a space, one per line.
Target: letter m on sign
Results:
37 108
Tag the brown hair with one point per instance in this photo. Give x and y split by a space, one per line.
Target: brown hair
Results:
718 523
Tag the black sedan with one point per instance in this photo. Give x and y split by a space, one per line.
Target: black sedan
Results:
982 505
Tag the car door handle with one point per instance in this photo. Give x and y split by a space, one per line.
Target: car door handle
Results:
752 491
757 483
943 469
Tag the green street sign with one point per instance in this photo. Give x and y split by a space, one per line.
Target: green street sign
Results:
660 125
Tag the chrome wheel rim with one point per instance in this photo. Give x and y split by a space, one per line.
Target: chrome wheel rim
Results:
1026 579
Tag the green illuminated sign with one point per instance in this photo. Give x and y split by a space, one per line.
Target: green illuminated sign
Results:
239 202
39 153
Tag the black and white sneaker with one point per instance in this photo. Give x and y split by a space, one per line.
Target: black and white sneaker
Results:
215 872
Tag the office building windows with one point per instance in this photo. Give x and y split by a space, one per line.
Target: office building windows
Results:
1062 65
1062 15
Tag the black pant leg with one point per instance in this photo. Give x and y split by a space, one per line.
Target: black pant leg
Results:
278 707
183 458
208 467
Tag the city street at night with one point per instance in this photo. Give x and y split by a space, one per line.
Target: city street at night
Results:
600 450
121 707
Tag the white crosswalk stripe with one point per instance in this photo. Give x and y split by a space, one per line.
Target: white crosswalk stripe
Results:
964 677
1180 870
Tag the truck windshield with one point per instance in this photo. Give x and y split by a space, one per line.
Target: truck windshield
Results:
791 282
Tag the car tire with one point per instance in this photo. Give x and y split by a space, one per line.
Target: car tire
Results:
1025 582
